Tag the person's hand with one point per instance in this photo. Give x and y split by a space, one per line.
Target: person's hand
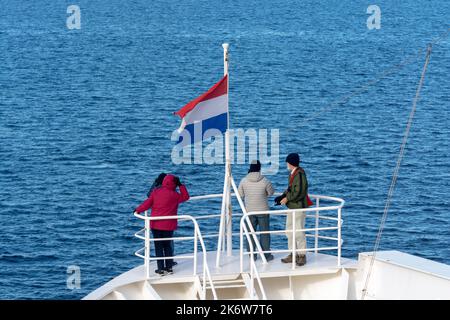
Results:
284 201
177 181
277 200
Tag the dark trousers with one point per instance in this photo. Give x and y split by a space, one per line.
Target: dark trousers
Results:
263 221
163 248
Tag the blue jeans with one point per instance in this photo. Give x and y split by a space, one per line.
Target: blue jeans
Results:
263 221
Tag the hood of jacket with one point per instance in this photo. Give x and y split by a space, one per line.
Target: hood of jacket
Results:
254 176
169 182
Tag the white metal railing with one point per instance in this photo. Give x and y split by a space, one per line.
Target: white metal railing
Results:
246 228
245 223
314 213
197 239
254 274
222 226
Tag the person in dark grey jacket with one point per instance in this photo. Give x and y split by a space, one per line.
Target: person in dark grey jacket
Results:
254 189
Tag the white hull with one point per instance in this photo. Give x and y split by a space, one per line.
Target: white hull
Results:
395 275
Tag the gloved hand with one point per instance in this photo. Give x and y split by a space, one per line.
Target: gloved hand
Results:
278 199
177 181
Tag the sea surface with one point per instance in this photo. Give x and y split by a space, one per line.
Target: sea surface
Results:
86 120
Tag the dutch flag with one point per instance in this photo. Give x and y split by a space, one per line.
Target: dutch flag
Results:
211 109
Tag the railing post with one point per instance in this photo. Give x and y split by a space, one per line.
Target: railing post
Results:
195 249
241 248
252 276
294 247
147 246
204 275
339 238
252 280
316 238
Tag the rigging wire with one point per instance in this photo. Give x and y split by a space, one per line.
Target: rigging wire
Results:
396 172
365 87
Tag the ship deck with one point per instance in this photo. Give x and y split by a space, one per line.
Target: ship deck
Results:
317 263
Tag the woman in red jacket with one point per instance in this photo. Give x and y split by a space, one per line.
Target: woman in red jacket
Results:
164 201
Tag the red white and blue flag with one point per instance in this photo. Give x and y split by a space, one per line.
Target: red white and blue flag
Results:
211 109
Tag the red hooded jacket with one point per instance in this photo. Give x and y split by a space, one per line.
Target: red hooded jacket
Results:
164 201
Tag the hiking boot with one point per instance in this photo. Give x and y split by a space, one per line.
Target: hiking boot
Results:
160 272
269 257
168 271
300 260
288 259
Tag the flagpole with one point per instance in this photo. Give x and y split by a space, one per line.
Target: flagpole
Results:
225 228
225 72
229 225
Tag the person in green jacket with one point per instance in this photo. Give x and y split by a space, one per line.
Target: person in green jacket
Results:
295 197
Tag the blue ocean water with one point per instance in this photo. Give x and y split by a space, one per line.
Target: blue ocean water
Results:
86 118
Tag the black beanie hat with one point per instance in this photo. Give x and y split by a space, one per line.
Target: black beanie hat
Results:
255 166
293 159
